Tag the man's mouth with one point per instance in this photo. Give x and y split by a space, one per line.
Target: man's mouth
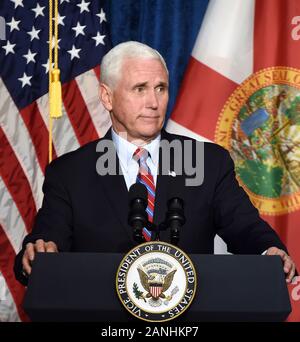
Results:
148 117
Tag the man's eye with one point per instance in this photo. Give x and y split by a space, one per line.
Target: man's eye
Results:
140 89
160 89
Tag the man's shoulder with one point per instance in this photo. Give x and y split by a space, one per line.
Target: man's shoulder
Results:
211 149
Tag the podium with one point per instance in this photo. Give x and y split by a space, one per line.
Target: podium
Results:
81 287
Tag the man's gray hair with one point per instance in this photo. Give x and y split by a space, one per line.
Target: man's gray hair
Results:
112 62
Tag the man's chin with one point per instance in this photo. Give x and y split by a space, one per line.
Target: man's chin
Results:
146 136
150 133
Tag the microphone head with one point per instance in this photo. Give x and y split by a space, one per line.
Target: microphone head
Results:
138 191
137 216
175 203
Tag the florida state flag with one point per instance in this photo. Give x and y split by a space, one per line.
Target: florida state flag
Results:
242 91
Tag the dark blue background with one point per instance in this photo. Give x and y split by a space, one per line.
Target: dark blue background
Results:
170 26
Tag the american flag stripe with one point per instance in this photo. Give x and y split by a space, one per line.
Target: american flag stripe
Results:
100 117
13 166
97 71
63 135
18 136
6 267
78 113
10 218
8 309
38 133
16 182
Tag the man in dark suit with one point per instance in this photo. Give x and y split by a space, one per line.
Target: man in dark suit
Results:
86 211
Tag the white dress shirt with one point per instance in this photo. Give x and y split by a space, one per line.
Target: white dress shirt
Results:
129 166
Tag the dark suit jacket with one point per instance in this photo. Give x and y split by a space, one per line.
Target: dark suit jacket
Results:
85 212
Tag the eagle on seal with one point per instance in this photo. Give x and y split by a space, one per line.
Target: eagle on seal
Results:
156 284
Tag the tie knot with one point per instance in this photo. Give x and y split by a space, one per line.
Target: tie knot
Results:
140 154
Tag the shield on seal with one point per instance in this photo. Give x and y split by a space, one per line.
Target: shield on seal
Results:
156 290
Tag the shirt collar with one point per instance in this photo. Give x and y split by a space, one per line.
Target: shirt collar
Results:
125 149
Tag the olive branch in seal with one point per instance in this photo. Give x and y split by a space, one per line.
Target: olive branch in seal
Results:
138 294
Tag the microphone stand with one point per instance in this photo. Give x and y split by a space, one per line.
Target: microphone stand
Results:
175 218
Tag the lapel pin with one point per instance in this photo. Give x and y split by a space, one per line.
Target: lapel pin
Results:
172 173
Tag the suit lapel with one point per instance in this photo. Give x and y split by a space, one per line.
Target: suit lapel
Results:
116 192
160 193
162 190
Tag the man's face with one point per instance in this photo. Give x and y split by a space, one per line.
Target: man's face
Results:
139 101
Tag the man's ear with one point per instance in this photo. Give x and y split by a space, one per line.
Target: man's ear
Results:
106 96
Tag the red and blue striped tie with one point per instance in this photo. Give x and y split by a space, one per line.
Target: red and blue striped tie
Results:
145 177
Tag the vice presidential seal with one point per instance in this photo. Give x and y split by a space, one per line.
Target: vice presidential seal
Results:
156 281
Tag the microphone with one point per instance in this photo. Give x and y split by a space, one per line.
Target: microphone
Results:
137 217
175 212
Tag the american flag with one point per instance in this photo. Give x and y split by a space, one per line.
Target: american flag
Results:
83 39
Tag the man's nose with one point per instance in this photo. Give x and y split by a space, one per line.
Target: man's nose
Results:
151 99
